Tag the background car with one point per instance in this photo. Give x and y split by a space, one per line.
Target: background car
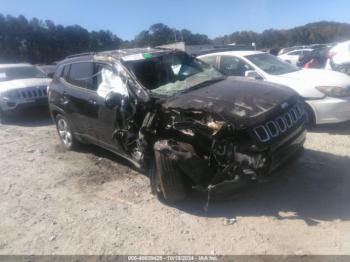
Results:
317 58
293 57
22 86
339 58
327 93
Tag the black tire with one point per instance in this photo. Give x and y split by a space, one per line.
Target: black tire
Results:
167 181
310 116
65 133
3 117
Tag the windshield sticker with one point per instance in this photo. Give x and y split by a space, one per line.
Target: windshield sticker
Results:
2 75
133 57
147 55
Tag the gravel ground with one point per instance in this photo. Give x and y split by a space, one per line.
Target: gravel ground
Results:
92 202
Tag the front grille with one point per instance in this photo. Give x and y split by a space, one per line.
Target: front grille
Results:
34 92
280 124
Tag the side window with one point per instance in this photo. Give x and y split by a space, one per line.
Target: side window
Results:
59 71
62 71
233 66
81 74
210 60
295 53
108 80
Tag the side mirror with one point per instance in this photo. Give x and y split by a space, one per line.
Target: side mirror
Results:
252 74
50 75
113 99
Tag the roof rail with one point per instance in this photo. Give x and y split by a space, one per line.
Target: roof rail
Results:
81 54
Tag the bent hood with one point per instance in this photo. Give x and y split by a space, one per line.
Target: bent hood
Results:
23 83
304 81
235 100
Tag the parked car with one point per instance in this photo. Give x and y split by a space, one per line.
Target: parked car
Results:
327 93
317 58
22 86
177 118
48 70
293 57
289 49
339 58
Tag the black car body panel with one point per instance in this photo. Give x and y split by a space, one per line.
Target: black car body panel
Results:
238 100
224 131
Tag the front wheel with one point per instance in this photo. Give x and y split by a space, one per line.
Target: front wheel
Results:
3 117
167 180
310 116
65 132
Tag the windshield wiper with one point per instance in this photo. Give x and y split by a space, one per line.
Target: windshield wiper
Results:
203 84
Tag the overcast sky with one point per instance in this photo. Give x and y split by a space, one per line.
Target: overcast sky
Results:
126 18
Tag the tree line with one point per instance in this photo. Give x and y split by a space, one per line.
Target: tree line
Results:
44 42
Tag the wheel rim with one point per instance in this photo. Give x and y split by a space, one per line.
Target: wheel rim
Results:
64 132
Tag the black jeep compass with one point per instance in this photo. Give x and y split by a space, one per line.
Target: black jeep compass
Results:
177 118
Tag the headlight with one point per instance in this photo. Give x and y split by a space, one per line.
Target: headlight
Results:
334 91
11 94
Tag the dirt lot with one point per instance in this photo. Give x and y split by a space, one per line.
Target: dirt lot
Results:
92 202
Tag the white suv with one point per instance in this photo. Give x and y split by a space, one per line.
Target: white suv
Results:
21 86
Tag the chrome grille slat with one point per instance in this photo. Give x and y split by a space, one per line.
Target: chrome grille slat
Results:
272 132
33 92
279 125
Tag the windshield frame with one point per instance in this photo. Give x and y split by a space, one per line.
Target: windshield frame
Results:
292 68
130 67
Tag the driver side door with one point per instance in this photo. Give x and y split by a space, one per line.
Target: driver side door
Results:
110 121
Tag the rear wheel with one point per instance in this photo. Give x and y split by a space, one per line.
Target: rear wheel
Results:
65 132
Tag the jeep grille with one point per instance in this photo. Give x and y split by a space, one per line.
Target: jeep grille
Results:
34 92
280 124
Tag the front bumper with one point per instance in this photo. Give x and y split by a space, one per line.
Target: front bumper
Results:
331 110
278 155
8 104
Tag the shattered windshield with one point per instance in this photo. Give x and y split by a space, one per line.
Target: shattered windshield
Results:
25 72
172 73
271 64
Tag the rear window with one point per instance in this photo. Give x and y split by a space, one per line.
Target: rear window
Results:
81 74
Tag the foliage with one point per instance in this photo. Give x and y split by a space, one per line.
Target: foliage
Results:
320 33
44 42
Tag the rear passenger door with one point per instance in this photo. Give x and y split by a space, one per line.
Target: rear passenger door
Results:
233 66
80 96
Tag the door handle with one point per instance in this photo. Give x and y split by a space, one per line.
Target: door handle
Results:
64 99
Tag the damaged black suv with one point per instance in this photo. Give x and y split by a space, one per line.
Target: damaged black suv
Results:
176 118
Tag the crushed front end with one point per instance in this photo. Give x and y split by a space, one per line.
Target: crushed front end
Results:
214 154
